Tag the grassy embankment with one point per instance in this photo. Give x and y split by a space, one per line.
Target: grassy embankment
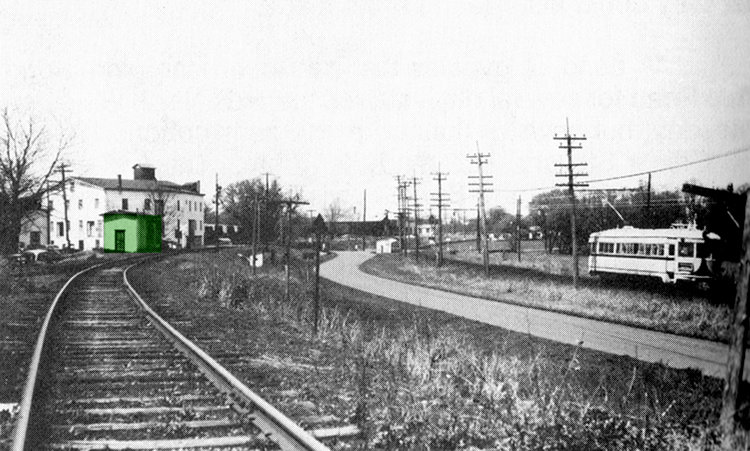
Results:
412 378
635 304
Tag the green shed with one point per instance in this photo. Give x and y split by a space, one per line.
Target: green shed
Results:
126 231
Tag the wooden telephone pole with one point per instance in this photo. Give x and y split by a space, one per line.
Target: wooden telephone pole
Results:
440 201
737 340
417 205
364 222
62 170
480 159
256 231
216 203
571 188
736 205
290 203
403 210
518 228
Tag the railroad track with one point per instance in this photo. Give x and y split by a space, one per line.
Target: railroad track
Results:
108 373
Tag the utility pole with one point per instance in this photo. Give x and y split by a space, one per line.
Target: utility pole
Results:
571 188
49 218
216 203
737 340
267 185
290 203
403 209
319 226
64 167
416 219
480 159
649 223
440 202
518 227
256 226
364 222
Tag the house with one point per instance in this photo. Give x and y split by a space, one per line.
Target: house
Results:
386 246
88 198
126 231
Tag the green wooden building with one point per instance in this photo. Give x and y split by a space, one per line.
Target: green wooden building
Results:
126 231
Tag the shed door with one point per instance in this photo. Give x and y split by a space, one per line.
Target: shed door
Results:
119 240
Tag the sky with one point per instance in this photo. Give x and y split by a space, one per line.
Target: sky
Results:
337 97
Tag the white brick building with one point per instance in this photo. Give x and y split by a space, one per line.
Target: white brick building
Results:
88 198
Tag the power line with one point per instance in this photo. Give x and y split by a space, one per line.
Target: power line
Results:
636 174
677 166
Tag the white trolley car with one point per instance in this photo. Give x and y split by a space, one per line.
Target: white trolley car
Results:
675 254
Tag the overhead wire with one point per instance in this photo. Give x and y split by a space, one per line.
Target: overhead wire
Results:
636 174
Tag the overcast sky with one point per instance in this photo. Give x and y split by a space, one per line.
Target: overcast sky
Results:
337 97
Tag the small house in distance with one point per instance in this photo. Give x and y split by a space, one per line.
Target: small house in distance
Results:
126 231
387 246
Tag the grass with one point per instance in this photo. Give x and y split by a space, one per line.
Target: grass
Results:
667 311
413 378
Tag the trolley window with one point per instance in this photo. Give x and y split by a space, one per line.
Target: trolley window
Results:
671 249
686 249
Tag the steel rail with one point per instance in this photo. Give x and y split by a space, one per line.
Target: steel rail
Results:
268 419
24 414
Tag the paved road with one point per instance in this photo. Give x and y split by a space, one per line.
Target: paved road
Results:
674 351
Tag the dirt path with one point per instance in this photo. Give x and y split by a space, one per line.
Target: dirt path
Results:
675 351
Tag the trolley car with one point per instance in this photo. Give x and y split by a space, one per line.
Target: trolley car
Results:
672 255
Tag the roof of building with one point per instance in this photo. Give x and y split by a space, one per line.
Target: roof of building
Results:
142 185
126 213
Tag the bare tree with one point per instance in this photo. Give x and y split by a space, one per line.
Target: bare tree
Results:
334 212
27 162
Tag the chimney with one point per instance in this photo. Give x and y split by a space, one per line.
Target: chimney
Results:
144 172
119 182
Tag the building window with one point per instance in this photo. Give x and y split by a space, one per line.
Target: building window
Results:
99 227
178 223
147 204
80 226
96 203
190 205
50 206
125 204
60 229
90 228
159 206
178 207
80 204
72 187
200 225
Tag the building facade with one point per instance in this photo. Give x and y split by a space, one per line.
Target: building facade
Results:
88 198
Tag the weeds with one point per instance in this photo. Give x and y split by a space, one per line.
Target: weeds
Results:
412 383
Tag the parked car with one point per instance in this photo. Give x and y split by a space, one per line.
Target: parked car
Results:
50 256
